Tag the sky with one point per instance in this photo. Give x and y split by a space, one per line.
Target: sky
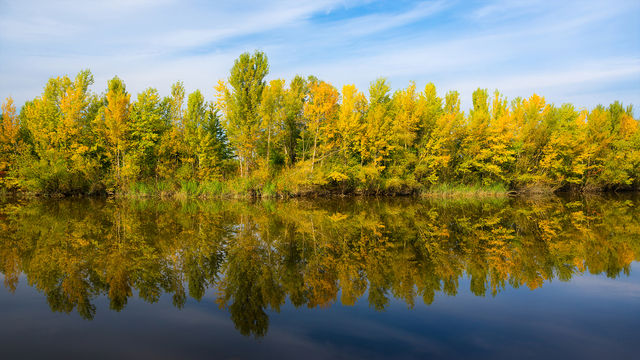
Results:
584 52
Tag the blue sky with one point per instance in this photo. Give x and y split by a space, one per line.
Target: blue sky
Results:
584 52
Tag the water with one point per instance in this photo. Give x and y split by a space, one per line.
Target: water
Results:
355 278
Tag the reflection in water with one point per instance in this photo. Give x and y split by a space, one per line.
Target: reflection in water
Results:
258 255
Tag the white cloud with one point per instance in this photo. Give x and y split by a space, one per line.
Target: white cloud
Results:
34 29
518 47
375 23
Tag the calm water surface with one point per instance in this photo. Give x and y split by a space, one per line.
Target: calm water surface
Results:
396 278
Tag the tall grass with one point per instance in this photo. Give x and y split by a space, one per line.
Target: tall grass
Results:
213 189
141 189
456 190
269 190
190 188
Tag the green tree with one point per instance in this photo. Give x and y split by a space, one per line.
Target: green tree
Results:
294 100
143 135
240 105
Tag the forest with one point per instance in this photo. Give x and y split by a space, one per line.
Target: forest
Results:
260 138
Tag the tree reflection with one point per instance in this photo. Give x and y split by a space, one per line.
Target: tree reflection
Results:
258 256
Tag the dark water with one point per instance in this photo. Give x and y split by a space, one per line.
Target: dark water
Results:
399 278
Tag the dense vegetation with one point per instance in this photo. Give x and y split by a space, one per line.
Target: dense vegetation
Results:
251 258
260 138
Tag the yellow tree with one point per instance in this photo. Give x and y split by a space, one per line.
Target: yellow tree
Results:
500 147
623 155
377 138
272 111
116 122
9 128
56 118
350 119
321 111
58 126
488 151
73 104
563 158
429 110
407 116
530 118
75 119
598 142
440 135
42 115
172 144
10 125
473 144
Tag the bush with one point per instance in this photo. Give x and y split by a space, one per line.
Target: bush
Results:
52 175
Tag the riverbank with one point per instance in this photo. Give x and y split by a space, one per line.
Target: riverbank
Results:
240 188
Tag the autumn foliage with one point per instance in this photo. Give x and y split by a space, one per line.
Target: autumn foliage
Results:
304 136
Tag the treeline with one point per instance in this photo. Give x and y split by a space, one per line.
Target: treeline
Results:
273 138
256 257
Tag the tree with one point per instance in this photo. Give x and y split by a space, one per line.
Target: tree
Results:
321 110
532 120
407 116
114 124
172 147
143 135
205 138
272 111
57 125
70 140
438 133
240 105
377 137
350 120
10 125
563 158
623 156
9 141
294 100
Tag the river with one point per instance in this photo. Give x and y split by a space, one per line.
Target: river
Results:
548 277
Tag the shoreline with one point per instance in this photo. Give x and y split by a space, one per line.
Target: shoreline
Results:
446 192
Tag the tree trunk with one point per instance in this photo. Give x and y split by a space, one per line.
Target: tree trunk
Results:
268 145
289 161
315 142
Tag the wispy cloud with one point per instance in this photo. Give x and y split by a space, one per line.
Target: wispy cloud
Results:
241 22
34 29
378 22
583 51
